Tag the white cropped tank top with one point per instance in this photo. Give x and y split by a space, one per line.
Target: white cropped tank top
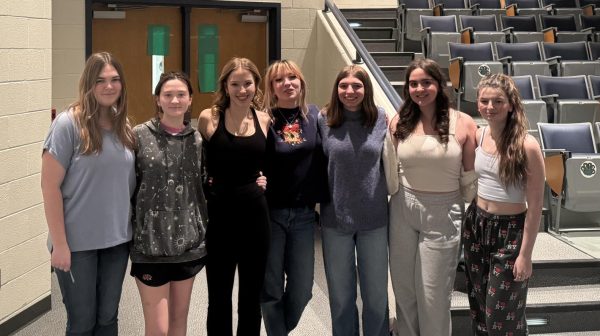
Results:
489 186
425 164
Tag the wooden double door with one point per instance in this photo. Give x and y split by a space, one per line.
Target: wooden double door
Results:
127 39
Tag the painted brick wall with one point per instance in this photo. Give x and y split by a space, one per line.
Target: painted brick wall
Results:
25 88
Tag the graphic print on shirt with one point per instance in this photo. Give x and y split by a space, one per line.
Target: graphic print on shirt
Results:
291 133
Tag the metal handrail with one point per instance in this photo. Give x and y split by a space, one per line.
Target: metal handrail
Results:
363 55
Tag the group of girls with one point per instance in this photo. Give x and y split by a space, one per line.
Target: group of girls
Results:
239 192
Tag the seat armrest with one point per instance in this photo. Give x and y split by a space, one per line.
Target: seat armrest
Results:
508 30
466 35
588 10
455 72
438 10
511 10
549 34
550 98
555 172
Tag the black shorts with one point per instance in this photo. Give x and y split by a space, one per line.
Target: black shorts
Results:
158 274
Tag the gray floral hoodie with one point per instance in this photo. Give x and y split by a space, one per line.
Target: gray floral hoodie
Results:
169 212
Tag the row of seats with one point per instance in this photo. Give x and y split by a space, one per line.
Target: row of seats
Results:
557 22
438 31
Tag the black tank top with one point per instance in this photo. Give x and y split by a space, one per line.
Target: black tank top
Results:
234 162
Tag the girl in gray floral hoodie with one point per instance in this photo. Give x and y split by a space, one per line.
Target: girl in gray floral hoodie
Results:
169 220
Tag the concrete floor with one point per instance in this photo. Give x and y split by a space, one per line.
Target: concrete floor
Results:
316 318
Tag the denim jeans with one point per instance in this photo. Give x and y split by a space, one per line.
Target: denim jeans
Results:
290 269
92 295
343 253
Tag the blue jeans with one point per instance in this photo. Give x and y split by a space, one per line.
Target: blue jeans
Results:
342 253
291 258
92 296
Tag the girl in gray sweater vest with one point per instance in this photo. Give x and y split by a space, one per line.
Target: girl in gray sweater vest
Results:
355 221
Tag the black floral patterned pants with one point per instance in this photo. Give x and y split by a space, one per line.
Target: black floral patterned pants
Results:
491 246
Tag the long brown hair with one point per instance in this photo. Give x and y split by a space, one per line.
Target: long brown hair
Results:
335 109
410 112
513 160
283 68
87 109
222 100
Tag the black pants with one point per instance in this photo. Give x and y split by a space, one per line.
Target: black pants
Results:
491 246
238 235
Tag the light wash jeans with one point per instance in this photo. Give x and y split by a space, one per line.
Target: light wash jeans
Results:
290 269
344 253
92 296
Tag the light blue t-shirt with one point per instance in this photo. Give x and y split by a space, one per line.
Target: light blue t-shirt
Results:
96 189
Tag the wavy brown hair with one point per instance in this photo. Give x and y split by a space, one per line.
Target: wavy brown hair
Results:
222 100
513 160
335 109
86 109
278 69
410 112
165 77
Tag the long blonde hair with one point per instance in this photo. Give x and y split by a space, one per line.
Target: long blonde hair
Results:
283 68
222 100
513 160
87 109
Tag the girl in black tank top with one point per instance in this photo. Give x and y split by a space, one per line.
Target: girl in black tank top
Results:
238 231
235 161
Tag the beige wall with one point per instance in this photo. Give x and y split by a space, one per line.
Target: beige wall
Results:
25 88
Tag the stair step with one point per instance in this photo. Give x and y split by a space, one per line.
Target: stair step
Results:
373 22
380 44
549 309
392 58
390 13
375 32
394 72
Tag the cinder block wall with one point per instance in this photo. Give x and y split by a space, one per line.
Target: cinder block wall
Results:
25 88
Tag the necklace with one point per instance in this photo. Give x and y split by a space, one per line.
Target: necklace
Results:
289 121
242 127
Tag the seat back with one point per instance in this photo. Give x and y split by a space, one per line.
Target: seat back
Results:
575 137
486 4
594 50
573 103
526 58
520 52
410 12
568 87
442 29
480 23
439 24
592 21
568 51
452 4
595 84
524 3
521 23
560 3
562 23
534 108
478 61
477 52
524 85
